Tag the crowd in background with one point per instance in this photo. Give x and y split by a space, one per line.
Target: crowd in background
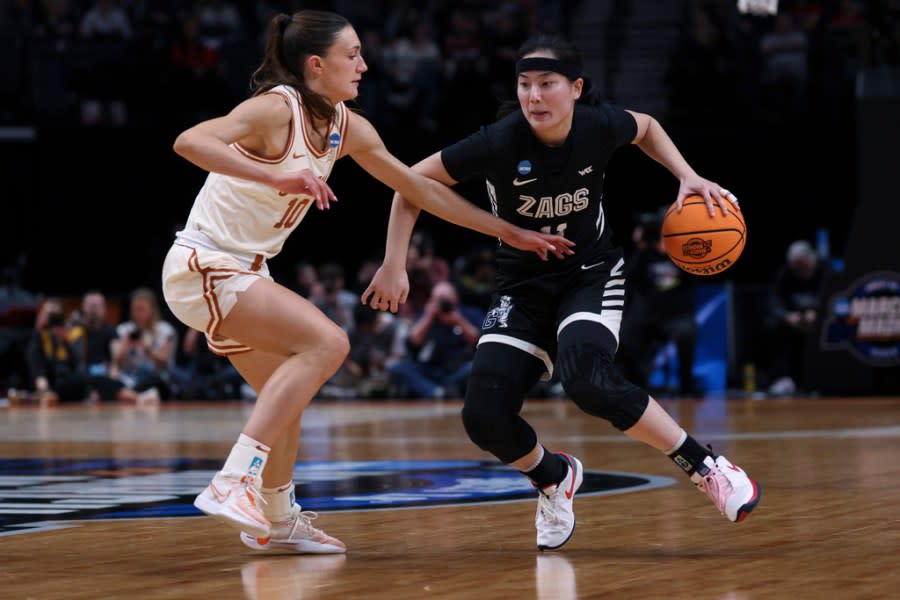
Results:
113 61
77 350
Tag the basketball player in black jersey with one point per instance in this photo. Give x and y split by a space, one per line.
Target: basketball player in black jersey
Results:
544 165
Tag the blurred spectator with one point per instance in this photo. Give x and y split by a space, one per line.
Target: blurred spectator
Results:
373 88
200 374
144 353
412 64
660 309
52 365
219 21
107 26
701 56
424 269
91 337
90 333
796 292
376 340
474 275
337 302
106 18
196 69
784 76
18 311
56 19
306 281
441 345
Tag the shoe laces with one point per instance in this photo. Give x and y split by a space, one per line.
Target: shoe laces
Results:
303 520
253 494
547 506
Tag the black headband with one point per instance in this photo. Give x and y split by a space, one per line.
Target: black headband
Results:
563 67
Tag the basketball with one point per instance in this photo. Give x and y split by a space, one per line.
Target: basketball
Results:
701 244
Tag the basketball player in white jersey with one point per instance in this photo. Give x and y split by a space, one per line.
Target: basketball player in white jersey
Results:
268 160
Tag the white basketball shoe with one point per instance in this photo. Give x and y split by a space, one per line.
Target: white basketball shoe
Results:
733 493
296 535
555 519
234 500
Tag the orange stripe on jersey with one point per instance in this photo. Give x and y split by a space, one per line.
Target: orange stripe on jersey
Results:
290 141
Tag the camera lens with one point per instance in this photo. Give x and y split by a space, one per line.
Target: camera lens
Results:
446 305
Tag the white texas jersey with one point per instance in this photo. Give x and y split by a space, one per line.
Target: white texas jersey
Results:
246 217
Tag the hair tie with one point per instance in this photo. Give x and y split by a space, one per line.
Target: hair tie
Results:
284 23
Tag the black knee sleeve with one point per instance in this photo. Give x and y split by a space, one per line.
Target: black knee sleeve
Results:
494 395
590 380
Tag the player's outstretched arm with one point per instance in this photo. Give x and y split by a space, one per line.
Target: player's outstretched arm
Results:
365 146
653 140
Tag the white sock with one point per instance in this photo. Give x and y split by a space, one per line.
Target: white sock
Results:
280 502
681 440
537 461
248 457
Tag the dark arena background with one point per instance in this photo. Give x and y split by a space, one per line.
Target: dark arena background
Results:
797 113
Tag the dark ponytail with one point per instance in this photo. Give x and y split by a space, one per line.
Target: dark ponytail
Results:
290 41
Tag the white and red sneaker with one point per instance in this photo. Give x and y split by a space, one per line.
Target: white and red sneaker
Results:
296 535
555 519
233 500
733 493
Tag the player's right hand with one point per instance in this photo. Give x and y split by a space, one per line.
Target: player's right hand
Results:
305 183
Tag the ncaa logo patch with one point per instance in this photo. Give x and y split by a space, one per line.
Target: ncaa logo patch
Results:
524 167
46 494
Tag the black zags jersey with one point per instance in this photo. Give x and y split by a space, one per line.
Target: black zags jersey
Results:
554 190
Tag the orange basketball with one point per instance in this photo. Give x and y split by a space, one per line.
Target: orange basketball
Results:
701 244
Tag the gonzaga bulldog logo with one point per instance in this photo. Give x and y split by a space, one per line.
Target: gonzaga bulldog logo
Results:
45 494
865 319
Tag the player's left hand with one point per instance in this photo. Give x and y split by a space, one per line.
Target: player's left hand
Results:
387 290
713 193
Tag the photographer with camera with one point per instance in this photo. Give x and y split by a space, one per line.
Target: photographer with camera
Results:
441 345
144 353
52 364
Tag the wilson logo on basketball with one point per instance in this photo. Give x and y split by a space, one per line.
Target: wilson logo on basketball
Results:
708 269
696 247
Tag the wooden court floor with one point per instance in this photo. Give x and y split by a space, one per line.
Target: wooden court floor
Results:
95 503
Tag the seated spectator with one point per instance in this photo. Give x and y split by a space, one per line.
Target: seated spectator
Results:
144 353
91 337
52 365
796 291
204 375
441 344
376 341
474 274
660 309
424 269
336 301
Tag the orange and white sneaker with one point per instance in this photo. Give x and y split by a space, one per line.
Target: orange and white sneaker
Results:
234 501
296 535
728 486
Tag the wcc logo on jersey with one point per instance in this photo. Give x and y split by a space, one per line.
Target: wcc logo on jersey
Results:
45 494
865 319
